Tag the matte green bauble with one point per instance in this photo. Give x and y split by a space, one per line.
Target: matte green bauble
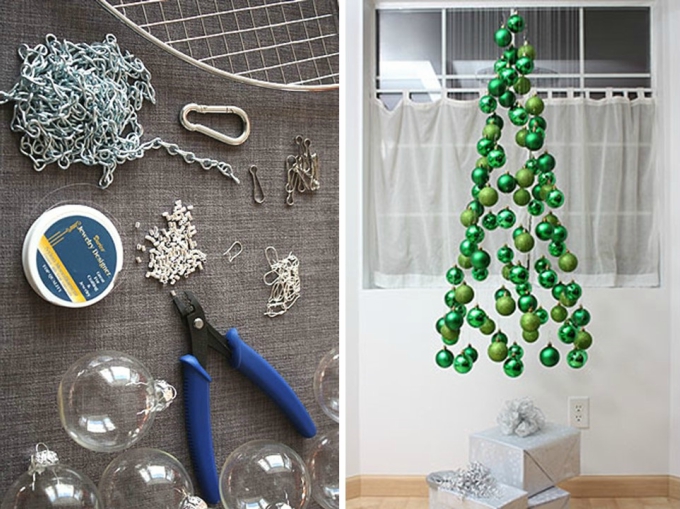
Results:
521 137
566 301
524 177
546 161
501 292
480 176
480 274
474 191
526 50
488 327
454 275
513 367
525 65
527 303
542 315
497 351
485 146
496 157
510 55
449 298
505 306
506 219
516 351
557 248
519 274
515 23
488 104
524 288
491 132
577 359
580 317
518 231
462 364
480 259
558 313
568 262
534 105
464 294
474 234
500 64
547 178
530 337
534 141
542 264
477 207
496 120
490 222
538 122
560 233
506 183
524 242
464 262
467 248
549 356
583 340
545 191
444 358
496 87
530 321
454 320
471 353
521 197
476 317
449 336
544 230
522 85
507 98
555 198
519 116
552 219
505 271
567 333
574 291
558 290
535 208
488 196
468 217
499 337
547 279
503 37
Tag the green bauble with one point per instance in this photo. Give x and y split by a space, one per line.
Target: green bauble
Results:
527 303
518 231
557 248
440 324
487 104
515 23
527 50
524 242
474 191
496 87
488 196
524 289
530 321
519 275
488 327
519 116
530 337
510 55
480 259
476 207
506 183
521 137
580 317
516 351
480 274
507 99
555 198
505 271
513 367
467 248
535 208
567 333
542 315
521 197
503 37
568 262
454 275
449 336
534 141
496 157
505 306
525 65
490 222
459 308
499 65
558 313
542 264
538 122
524 177
464 262
536 192
552 219
501 292
583 340
534 105
464 294
476 317
547 279
522 85
474 233
454 320
577 359
573 291
482 162
471 353
532 164
462 364
491 132
497 351
546 178
496 120
549 356
444 358
449 298
546 161
544 230
560 233
484 146
545 191
506 219
558 290
499 337
468 217
480 176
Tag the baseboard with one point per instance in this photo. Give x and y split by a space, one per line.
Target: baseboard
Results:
590 486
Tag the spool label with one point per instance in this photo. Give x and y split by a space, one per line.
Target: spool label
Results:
76 259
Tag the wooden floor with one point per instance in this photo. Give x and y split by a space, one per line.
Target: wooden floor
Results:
576 503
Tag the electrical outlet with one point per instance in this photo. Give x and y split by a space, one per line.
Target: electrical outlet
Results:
579 412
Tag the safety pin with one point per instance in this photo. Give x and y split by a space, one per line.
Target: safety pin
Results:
258 192
229 110
231 256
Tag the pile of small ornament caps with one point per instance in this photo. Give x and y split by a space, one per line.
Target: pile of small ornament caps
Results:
532 186
302 170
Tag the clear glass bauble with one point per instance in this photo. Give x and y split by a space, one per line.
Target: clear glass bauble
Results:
323 462
327 384
108 400
264 474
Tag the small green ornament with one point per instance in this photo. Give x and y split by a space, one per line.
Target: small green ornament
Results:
505 271
581 317
476 317
468 217
454 275
516 351
518 231
558 290
440 324
488 196
534 105
538 122
466 247
567 333
497 351
546 161
471 353
510 55
480 176
524 242
583 340
464 262
555 198
527 303
542 315
477 207
519 275
449 336
501 292
519 116
524 177
505 306
474 234
488 327
462 364
521 197
496 87
482 162
449 298
521 137
480 274
496 157
515 23
573 291
558 313
454 320
496 120
503 37
577 359
557 248
464 294
444 358
474 191
507 98
522 85
506 219
547 279
513 367
491 132
500 64
530 321
535 208
459 308
490 222
536 192
530 337
500 337
568 262
549 356
547 178
544 230
485 146
527 50
560 233
552 219
480 259
542 264
487 104
506 183
545 191
532 164
566 301
524 288
525 65
534 141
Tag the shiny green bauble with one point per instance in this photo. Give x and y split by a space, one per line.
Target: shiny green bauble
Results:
577 359
555 198
471 353
454 275
480 259
521 197
527 50
567 333
497 351
542 264
474 191
568 262
503 37
480 176
499 65
534 141
530 337
546 161
519 275
496 87
506 183
459 308
560 233
496 157
518 231
468 217
558 290
546 178
490 222
521 137
536 192
500 337
449 336
513 367
519 116
454 320
467 248
532 164
507 99
509 77
558 313
544 230
496 120
583 340
444 358
510 55
535 208
488 327
464 262
488 104
573 291
505 306
476 207
476 317
485 146
506 219
538 122
522 85
557 248
524 288
462 364
524 177
488 196
524 242
552 219
547 279
464 294
527 303
580 317
501 292
534 105
474 233
516 351
449 298
543 315
525 65
530 321
491 132
505 254
515 23
549 356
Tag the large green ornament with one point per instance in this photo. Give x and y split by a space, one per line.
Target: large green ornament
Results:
506 219
583 340
480 259
506 183
454 320
503 37
468 217
496 157
505 254
509 77
474 234
516 23
534 104
524 177
542 264
547 279
527 50
549 356
497 351
522 85
466 247
444 358
476 317
464 261
530 321
524 242
580 317
471 353
496 87
544 230
488 196
505 306
534 141
480 176
555 198
521 197
454 275
577 359
568 262
527 303
567 333
524 65
490 222
464 294
558 313
462 364
519 274
484 146
507 99
513 367
546 161
519 116
487 104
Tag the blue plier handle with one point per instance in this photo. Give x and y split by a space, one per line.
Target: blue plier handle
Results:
197 389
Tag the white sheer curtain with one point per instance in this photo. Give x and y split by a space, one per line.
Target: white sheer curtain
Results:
421 158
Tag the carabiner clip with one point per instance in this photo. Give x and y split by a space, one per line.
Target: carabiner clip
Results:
229 110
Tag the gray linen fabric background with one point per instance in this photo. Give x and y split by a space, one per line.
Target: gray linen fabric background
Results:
40 341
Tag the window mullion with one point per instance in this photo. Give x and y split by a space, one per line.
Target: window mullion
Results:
581 48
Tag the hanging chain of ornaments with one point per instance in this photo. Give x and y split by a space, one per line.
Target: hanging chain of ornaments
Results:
533 186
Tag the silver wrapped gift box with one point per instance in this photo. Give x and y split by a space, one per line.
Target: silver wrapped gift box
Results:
534 463
553 498
507 497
